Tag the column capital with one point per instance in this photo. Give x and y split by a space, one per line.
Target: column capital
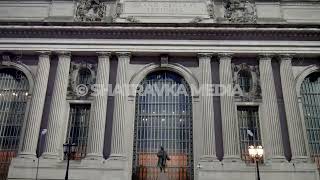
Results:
265 56
123 54
103 53
205 55
44 53
286 56
64 53
224 56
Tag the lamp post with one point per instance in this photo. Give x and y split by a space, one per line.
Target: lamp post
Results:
68 149
256 153
42 133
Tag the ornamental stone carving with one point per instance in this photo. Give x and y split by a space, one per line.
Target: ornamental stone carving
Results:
132 19
210 9
254 93
90 10
75 86
196 19
240 11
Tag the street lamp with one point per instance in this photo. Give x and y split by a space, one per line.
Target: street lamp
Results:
68 149
43 132
256 153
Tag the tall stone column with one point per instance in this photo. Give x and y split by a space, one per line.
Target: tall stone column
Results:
99 109
229 125
30 142
296 135
57 107
270 116
119 113
209 149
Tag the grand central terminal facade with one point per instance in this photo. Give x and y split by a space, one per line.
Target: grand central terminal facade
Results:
64 65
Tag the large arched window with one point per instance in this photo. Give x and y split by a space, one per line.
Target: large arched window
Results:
163 118
14 88
310 92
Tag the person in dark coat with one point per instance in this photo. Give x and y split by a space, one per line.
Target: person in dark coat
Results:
162 159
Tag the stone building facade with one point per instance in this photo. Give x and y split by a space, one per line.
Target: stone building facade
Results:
59 57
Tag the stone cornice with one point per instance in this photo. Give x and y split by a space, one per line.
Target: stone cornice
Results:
162 32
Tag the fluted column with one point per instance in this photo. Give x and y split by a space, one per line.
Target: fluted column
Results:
119 113
209 149
99 109
270 116
33 123
57 107
296 135
229 125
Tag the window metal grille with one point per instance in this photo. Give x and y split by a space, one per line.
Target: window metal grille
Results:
78 127
84 76
249 129
245 80
310 91
164 120
14 87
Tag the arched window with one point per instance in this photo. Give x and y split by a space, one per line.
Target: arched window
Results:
14 88
310 92
84 76
245 80
163 118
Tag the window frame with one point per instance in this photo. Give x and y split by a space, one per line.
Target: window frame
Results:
258 105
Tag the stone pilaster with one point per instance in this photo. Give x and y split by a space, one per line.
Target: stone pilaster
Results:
209 149
57 107
296 135
119 113
99 109
270 113
33 123
229 125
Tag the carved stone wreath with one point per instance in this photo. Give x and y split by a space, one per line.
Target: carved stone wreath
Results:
255 89
74 75
90 10
240 11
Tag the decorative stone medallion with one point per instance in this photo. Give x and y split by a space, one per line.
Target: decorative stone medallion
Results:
240 11
90 10
255 89
74 85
